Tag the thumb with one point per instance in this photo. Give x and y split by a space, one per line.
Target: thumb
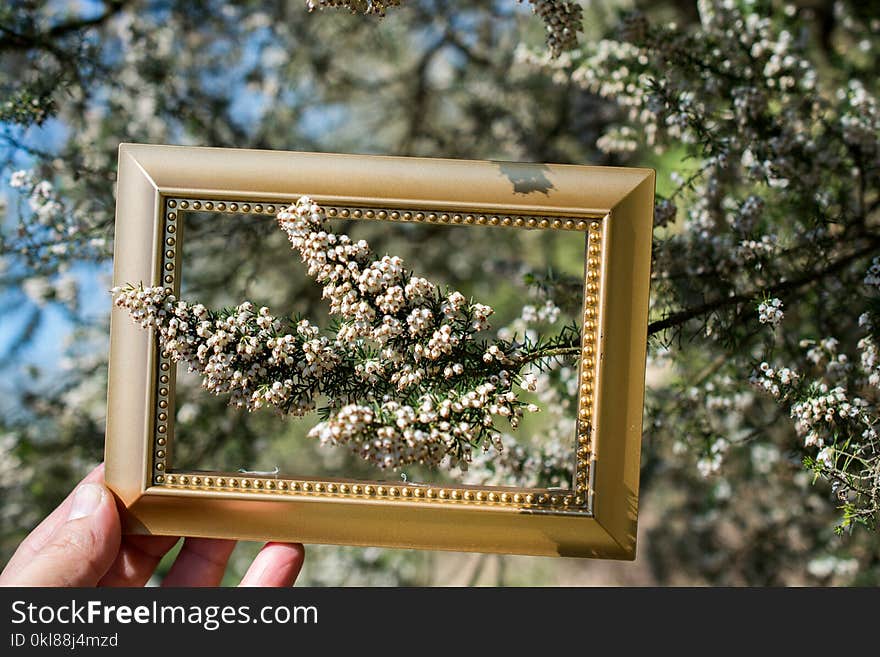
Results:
81 549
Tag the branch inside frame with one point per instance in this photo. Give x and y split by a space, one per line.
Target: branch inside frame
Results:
407 372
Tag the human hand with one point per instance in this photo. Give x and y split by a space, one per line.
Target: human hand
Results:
81 544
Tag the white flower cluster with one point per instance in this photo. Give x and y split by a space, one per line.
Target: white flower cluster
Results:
752 251
608 71
242 354
764 457
41 199
818 410
824 407
860 119
405 377
710 463
827 566
772 380
721 396
826 456
872 277
619 139
525 327
562 19
396 434
368 7
545 461
412 321
770 312
824 354
53 233
869 354
63 288
547 464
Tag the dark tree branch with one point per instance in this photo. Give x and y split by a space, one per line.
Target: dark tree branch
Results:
678 318
62 29
18 41
420 95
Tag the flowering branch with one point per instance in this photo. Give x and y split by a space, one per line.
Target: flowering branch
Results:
405 374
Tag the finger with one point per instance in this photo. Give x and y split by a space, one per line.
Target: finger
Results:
201 562
277 564
137 560
39 535
81 548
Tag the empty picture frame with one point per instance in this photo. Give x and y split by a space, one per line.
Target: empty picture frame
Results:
609 210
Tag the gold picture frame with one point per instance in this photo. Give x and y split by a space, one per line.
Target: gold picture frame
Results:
612 207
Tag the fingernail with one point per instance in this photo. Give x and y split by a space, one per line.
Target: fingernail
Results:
85 501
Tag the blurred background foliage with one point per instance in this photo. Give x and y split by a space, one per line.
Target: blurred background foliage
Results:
434 78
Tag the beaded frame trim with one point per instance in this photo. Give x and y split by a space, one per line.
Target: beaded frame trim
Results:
577 500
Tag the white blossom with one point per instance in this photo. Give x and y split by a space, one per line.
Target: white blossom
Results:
770 312
20 178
